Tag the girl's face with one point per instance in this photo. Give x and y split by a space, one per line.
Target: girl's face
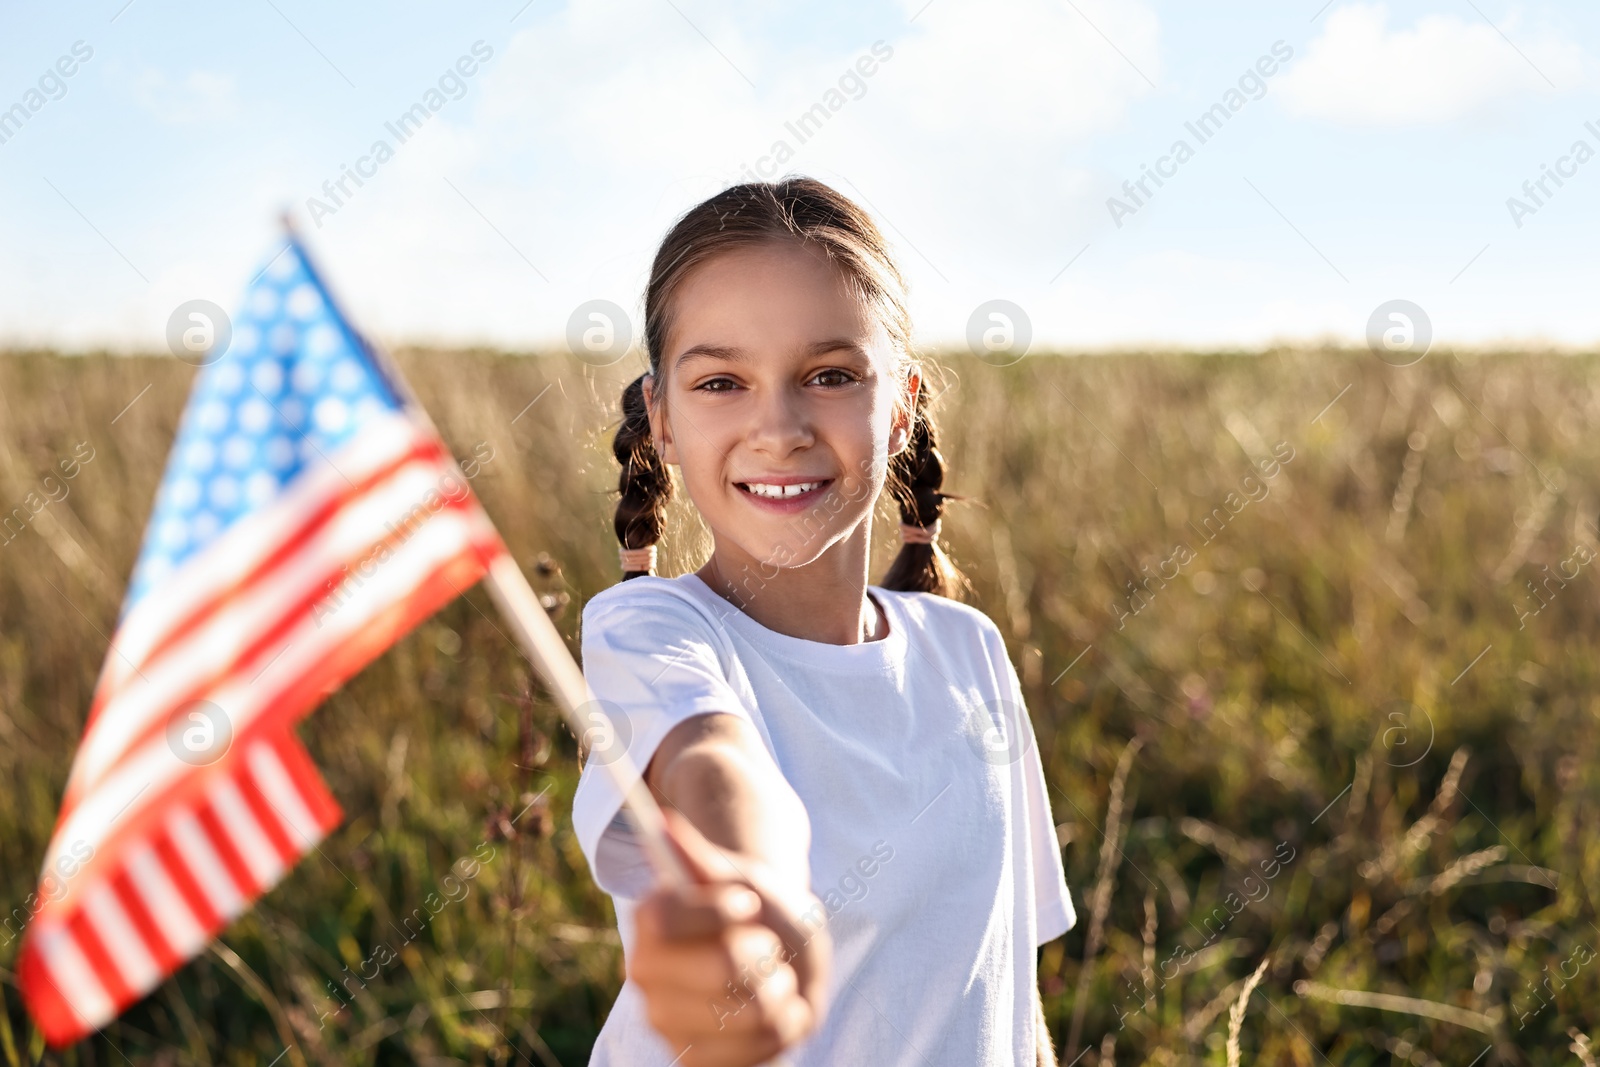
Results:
783 403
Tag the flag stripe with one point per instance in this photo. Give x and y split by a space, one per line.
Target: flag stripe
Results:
202 862
227 852
60 973
162 942
270 822
168 904
99 960
284 796
177 872
124 945
240 824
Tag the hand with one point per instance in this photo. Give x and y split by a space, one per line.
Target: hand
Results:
734 967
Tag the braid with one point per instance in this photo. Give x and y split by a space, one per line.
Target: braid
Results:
644 484
916 480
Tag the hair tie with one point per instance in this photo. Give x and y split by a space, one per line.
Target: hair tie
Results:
638 559
919 535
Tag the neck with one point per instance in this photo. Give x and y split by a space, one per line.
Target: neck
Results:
824 600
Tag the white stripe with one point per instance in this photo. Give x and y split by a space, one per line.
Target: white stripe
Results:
163 683
283 797
205 865
165 902
152 767
123 944
240 823
70 972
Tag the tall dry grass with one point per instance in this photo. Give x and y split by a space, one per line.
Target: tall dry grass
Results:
1354 759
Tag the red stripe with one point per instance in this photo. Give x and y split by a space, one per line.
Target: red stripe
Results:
100 961
429 449
167 959
222 840
271 822
269 639
188 888
47 1002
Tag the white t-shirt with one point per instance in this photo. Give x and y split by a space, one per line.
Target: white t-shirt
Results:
932 845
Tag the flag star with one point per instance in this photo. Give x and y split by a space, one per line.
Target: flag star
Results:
238 452
330 415
212 416
267 376
185 493
255 415
322 341
347 376
200 455
304 302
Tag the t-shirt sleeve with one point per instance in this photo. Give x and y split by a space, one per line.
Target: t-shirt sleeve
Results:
1054 914
651 660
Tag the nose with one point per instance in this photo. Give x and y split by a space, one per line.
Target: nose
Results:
780 423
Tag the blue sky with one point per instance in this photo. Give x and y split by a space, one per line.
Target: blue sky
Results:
1374 163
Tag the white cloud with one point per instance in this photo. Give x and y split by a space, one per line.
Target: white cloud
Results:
1361 72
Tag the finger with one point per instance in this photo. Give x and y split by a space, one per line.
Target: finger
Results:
683 912
804 936
706 966
704 911
748 1004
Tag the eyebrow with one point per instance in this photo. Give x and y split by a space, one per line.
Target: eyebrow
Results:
738 355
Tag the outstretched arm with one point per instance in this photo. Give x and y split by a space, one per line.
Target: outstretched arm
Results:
729 976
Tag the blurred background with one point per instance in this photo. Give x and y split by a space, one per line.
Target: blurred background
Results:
1280 467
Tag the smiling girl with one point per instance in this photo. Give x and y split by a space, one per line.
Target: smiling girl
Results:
848 769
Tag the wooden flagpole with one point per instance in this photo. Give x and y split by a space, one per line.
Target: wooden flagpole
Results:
537 636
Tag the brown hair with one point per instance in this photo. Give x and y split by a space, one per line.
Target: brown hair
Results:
802 210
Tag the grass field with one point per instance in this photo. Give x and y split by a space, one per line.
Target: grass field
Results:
1279 620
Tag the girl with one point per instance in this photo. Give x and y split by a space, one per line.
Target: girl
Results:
848 769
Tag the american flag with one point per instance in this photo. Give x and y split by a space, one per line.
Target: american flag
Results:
308 517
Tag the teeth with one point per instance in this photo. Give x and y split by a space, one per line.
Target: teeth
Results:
778 492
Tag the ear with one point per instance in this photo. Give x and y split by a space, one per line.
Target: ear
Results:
660 428
900 429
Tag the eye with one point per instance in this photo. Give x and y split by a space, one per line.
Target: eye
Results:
838 375
717 385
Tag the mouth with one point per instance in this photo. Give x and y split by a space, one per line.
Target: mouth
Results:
786 495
